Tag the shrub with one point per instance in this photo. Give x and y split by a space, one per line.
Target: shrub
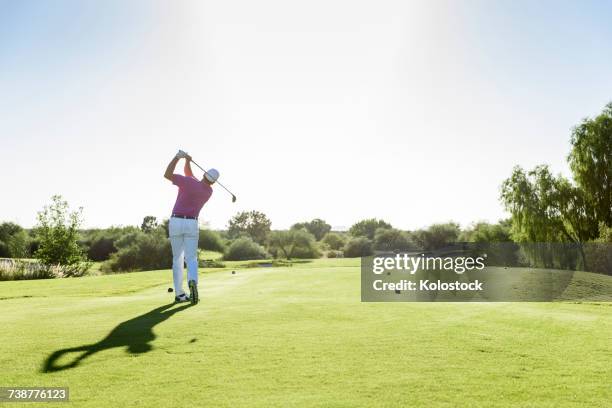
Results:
149 224
244 249
599 252
13 241
210 263
139 251
334 240
33 242
367 228
253 224
356 247
24 270
293 244
334 254
211 241
392 240
316 227
18 245
100 244
101 248
57 231
437 236
485 232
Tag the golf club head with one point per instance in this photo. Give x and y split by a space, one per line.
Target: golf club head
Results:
233 198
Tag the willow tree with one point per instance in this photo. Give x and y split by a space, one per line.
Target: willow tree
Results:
591 164
547 210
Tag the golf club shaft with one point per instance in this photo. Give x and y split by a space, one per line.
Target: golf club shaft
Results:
205 172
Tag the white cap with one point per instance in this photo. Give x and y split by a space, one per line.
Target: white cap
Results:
212 175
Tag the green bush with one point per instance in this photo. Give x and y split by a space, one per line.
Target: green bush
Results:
14 241
599 253
33 242
24 270
317 227
334 240
140 251
367 228
19 246
210 263
244 248
334 254
57 230
100 244
101 248
392 240
437 236
485 232
253 224
293 244
357 247
211 241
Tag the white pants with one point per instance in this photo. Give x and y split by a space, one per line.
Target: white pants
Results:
184 236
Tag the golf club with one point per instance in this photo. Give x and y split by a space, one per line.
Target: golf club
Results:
226 189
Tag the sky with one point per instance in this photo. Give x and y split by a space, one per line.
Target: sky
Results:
409 111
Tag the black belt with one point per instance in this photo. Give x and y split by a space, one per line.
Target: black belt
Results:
185 217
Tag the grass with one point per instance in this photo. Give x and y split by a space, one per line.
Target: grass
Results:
298 336
205 254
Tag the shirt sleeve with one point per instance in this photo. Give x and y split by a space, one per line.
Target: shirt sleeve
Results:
178 180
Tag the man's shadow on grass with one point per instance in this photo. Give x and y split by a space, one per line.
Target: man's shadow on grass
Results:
136 334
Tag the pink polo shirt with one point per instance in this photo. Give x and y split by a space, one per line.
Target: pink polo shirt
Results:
192 195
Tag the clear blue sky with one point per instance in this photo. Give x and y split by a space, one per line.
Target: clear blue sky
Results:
409 111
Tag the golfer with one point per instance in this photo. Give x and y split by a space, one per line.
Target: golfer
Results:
183 226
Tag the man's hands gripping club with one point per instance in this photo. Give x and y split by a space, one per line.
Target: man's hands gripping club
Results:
184 155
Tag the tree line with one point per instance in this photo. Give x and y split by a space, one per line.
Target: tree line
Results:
544 208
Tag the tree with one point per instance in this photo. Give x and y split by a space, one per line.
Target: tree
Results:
334 240
149 223
392 240
13 240
211 241
140 251
367 228
437 236
18 245
591 162
101 243
254 224
358 246
316 227
546 208
57 231
244 248
485 232
295 243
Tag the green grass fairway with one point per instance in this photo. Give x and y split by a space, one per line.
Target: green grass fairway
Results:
297 336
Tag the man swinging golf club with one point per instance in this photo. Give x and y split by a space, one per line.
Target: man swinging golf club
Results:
183 225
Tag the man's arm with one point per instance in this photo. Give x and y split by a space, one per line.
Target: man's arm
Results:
170 169
187 168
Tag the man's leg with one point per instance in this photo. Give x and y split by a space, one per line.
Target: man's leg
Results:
177 241
191 256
